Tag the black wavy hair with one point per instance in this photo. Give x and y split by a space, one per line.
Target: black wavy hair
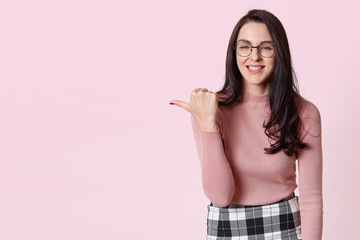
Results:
284 120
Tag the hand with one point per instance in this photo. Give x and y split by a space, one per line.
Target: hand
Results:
203 106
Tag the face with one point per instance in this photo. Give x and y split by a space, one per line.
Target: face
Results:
256 78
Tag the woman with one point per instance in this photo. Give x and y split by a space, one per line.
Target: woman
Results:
249 135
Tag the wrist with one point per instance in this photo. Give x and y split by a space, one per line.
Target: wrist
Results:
208 127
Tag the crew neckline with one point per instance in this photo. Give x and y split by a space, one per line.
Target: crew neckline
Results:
248 97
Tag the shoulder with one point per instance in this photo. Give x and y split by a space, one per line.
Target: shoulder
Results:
306 109
310 117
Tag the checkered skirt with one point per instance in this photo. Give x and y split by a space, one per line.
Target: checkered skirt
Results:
276 221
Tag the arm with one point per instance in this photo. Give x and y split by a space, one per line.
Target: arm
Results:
217 178
310 175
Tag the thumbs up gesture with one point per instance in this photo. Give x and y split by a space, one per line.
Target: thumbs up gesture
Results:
203 106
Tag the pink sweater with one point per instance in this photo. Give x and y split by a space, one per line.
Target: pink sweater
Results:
235 168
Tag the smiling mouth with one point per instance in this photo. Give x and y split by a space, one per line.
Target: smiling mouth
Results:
253 68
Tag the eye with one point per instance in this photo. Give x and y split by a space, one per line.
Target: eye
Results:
267 47
243 45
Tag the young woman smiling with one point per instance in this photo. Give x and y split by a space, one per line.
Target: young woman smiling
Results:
249 135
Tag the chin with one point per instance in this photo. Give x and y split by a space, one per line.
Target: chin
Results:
256 81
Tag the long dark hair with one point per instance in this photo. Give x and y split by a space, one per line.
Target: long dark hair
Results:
284 119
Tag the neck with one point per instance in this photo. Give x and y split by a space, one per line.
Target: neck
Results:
256 98
257 89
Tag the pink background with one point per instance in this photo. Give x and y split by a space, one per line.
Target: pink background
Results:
90 147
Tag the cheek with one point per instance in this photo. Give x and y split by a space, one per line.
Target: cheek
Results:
271 66
240 62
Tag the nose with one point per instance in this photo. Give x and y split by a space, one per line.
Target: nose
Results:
255 56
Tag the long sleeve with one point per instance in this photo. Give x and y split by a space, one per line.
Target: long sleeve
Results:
217 177
310 175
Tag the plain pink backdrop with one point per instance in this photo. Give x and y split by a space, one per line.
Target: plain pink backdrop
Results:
90 147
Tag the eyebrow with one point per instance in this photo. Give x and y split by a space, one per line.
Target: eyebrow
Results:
244 40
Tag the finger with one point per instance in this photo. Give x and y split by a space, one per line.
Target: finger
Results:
197 89
181 104
204 90
213 93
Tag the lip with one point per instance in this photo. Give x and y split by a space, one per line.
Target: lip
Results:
256 71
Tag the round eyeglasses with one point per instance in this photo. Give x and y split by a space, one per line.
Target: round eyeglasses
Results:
265 50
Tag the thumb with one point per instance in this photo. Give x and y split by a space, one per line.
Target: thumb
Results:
181 104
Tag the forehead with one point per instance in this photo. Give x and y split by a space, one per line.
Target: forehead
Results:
254 32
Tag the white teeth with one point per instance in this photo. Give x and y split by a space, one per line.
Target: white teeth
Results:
254 68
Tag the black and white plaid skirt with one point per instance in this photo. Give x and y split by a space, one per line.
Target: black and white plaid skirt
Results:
275 221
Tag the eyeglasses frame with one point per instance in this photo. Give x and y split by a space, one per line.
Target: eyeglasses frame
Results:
251 47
